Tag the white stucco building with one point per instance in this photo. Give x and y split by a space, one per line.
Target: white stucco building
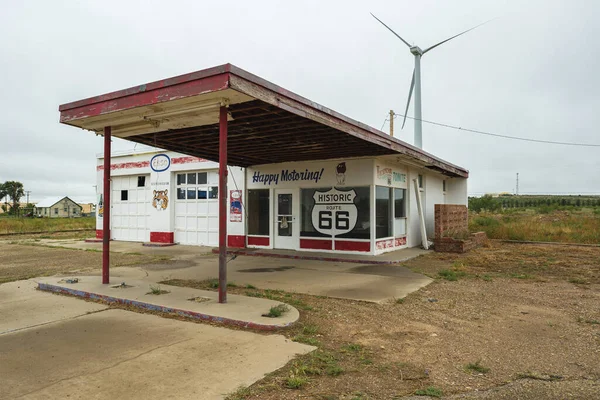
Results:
359 204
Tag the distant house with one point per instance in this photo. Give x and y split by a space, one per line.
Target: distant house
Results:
88 209
58 207
7 203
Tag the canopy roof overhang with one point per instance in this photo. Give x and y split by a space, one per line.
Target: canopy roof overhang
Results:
267 124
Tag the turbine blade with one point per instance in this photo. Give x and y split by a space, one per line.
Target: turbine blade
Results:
455 36
412 85
398 36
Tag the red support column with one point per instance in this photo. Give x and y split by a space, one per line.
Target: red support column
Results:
106 214
223 205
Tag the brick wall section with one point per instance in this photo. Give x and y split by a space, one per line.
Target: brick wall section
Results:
451 220
450 245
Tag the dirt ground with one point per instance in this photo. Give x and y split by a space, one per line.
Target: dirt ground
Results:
22 258
502 322
526 318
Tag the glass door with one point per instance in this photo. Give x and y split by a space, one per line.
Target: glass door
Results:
286 229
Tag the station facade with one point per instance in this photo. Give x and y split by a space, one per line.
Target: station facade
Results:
361 204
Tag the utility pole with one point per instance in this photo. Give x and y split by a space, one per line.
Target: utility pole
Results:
517 184
27 192
392 114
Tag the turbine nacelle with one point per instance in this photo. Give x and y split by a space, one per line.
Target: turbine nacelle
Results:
416 50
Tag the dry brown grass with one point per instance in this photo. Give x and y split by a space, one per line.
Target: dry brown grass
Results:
49 225
557 226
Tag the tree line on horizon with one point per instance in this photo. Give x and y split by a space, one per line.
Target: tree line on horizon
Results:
490 203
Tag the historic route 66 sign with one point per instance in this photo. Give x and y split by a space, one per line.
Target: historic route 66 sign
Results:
334 212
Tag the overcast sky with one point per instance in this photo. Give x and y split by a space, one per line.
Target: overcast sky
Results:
533 72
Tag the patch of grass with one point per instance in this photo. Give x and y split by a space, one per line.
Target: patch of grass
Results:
399 301
430 391
306 340
352 347
309 329
486 278
100 251
156 290
240 394
295 382
578 281
277 311
249 286
334 370
521 276
588 321
477 367
451 275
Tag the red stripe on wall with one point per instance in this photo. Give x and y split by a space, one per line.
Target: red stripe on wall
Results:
144 164
186 160
258 241
162 237
352 246
238 241
320 244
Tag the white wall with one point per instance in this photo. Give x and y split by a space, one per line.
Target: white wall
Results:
456 191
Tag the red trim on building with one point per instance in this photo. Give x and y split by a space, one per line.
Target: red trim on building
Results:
238 241
390 243
400 241
258 241
318 244
162 237
352 246
99 234
144 164
143 95
186 160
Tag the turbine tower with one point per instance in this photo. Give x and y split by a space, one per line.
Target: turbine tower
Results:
416 80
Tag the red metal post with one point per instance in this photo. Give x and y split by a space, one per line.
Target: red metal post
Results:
106 212
223 205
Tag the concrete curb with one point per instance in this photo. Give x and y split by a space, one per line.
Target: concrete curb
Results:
169 310
312 258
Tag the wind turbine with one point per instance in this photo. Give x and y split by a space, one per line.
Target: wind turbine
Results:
416 80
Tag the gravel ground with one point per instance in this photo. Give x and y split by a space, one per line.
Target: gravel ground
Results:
24 261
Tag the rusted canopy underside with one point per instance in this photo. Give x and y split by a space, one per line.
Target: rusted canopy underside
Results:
267 124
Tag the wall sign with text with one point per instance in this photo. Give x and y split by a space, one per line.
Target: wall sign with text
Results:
334 212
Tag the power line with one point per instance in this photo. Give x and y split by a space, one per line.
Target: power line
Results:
498 135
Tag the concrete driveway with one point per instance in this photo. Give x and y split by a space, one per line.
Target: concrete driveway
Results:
59 347
376 283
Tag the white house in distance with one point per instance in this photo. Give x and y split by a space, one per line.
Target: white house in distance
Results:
360 204
58 207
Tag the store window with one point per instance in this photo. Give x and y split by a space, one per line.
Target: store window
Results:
444 186
421 183
56 211
192 186
399 203
258 212
338 218
399 212
383 212
141 181
124 196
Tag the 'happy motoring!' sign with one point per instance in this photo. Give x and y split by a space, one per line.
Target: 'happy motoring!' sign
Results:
288 176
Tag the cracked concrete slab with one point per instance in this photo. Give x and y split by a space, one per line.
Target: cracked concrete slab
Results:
121 354
23 306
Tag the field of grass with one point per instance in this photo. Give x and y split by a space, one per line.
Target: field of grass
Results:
24 225
554 225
